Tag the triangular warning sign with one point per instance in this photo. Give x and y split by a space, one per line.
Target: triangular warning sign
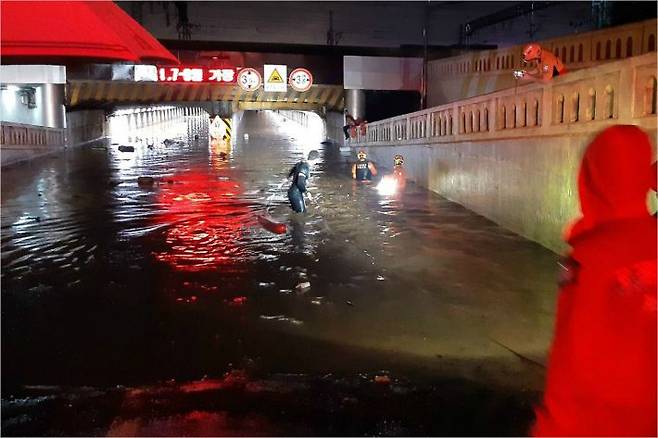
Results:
275 77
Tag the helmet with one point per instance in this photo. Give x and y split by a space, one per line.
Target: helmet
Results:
531 52
313 155
361 155
398 160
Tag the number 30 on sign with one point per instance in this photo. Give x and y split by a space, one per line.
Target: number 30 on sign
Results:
249 79
300 79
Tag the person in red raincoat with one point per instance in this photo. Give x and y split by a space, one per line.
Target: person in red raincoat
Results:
601 378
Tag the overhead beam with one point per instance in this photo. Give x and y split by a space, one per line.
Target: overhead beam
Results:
313 49
278 106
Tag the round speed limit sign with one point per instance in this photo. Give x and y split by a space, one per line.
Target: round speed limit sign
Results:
300 79
249 79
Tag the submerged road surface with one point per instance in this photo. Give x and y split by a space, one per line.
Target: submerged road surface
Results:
162 307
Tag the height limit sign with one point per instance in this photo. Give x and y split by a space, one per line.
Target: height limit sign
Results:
275 77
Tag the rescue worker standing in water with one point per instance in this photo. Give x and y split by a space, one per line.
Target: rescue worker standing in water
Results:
363 170
300 174
399 173
545 65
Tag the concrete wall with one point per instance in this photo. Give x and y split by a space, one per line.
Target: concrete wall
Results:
21 142
33 95
85 126
511 161
334 127
47 108
382 73
487 71
329 127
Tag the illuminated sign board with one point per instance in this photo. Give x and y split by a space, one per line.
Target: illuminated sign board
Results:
221 75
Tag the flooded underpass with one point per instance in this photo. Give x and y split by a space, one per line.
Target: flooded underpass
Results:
162 307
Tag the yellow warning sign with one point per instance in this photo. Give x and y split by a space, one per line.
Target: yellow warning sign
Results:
275 77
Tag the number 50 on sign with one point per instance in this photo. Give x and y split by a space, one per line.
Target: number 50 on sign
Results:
300 79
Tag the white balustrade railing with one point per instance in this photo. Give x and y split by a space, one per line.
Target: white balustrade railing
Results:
576 51
621 92
16 134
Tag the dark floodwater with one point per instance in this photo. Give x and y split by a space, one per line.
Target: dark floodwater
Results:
125 306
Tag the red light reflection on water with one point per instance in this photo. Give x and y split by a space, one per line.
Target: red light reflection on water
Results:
206 222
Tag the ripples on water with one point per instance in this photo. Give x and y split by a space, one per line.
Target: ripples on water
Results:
178 278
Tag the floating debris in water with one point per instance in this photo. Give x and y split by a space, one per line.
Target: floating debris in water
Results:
302 288
284 318
238 301
145 181
382 379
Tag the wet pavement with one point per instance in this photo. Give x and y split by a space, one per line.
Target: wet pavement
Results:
163 307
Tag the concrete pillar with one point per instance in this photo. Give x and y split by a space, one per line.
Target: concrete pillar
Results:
52 108
355 102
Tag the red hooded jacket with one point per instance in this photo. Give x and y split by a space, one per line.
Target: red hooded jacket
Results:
601 377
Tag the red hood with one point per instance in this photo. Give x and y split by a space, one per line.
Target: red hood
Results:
614 177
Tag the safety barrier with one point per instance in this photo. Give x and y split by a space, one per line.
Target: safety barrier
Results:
477 73
618 92
16 134
360 129
299 117
576 51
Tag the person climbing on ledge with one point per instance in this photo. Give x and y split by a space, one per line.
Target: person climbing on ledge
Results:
350 122
544 64
363 169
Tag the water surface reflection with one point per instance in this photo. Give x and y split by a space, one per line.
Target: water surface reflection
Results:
109 282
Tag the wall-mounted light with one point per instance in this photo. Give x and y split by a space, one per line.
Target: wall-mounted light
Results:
28 97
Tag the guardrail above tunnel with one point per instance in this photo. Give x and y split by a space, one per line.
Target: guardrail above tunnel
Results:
617 92
486 71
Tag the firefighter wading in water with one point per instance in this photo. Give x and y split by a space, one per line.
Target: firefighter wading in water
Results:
363 169
300 174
